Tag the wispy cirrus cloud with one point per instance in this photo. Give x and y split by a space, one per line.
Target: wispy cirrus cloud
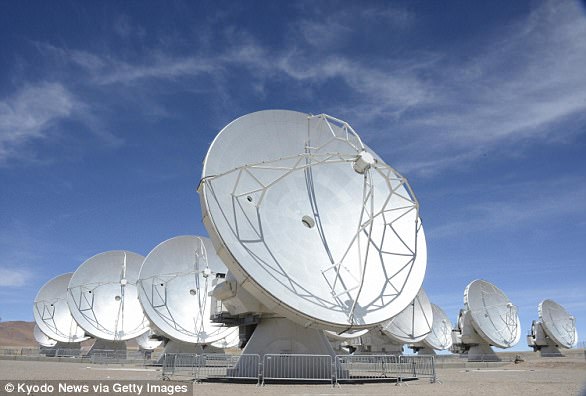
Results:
30 114
521 84
34 114
10 277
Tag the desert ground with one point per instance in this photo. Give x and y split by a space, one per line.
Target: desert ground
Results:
533 376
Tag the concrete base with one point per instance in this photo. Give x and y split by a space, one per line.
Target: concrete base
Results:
550 351
172 346
282 336
482 353
375 342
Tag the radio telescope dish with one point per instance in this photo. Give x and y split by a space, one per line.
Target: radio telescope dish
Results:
52 314
147 343
311 221
493 315
440 337
42 338
414 323
103 297
558 323
174 285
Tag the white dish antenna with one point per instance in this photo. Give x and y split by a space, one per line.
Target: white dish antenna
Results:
103 297
414 323
42 338
312 222
52 314
440 337
147 343
558 323
174 285
493 315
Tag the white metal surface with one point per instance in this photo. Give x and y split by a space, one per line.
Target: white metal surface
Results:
558 323
42 338
174 285
147 343
52 313
493 315
311 221
103 297
414 323
440 337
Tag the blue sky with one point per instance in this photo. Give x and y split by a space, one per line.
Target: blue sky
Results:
107 110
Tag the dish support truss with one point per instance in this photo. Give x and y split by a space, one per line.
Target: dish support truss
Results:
345 282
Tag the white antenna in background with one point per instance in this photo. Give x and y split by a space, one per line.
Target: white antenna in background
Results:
555 329
103 299
53 317
488 318
175 281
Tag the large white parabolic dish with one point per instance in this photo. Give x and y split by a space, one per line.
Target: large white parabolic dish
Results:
312 222
103 297
558 323
414 323
52 314
493 315
174 284
440 337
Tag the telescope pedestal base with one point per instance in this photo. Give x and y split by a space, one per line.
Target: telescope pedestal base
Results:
280 336
482 353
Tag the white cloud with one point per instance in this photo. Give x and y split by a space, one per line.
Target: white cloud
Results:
29 114
14 277
521 87
520 83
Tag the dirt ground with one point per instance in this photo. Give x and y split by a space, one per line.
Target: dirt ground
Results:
535 376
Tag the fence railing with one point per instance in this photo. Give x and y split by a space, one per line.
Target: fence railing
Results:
367 367
208 366
298 367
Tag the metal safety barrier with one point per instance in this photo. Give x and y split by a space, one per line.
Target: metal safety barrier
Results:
414 366
209 366
298 367
367 367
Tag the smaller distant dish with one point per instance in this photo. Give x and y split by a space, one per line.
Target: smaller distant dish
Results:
103 297
175 281
493 315
52 314
414 323
440 337
42 338
558 323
